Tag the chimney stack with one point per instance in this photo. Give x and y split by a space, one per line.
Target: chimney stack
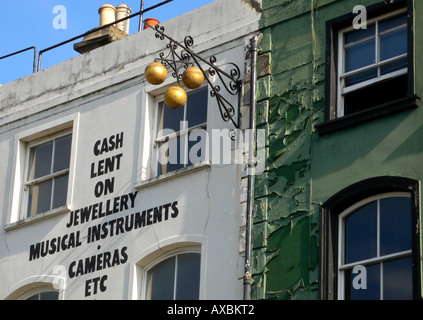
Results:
108 14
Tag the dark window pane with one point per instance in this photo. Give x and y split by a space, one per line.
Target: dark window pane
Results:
392 23
377 94
360 55
372 279
360 77
188 278
41 196
62 153
60 191
197 145
172 155
170 118
161 281
361 233
394 66
40 160
398 280
197 107
361 34
395 225
393 44
49 295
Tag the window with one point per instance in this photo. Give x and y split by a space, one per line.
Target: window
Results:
376 234
176 278
369 72
369 232
180 135
47 295
372 61
47 176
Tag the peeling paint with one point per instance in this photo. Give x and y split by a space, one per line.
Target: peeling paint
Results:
302 169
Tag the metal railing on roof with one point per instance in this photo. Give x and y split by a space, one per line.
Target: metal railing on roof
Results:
37 67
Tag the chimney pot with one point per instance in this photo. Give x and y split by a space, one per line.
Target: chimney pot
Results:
123 11
107 14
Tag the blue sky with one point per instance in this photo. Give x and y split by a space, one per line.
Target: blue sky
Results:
26 23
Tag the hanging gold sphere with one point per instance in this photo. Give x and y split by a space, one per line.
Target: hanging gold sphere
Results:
193 77
155 73
175 97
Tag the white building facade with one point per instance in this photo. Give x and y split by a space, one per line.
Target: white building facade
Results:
93 206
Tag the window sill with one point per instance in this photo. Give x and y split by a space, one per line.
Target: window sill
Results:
351 120
172 175
37 218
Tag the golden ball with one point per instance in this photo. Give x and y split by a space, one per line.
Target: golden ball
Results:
193 77
156 73
175 97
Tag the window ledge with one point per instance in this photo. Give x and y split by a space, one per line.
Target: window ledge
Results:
386 109
172 175
37 218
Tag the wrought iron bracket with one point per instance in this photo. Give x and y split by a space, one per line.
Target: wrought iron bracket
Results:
230 80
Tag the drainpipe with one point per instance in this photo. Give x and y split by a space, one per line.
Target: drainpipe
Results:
251 165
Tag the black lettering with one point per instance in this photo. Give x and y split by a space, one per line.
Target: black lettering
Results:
94 231
133 196
119 225
80 268
112 223
85 214
105 230
116 258
149 216
140 219
175 209
106 260
70 271
52 246
157 214
89 264
124 255
34 251
99 262
96 150
129 226
119 140
44 248
70 223
124 202
166 210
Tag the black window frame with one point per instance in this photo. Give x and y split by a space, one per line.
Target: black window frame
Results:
333 207
332 123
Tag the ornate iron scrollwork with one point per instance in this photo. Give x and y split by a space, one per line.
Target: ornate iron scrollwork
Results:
230 80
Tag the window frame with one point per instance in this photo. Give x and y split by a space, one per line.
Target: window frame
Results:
159 140
342 266
342 75
28 183
329 228
334 122
17 206
182 250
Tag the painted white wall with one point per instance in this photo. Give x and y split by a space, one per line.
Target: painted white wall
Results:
100 94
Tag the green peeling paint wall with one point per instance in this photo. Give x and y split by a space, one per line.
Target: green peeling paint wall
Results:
303 169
